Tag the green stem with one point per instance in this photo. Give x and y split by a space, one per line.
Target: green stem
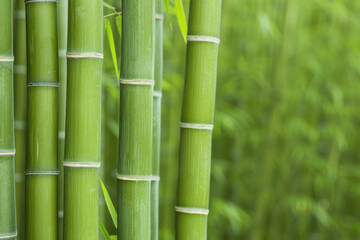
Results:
42 78
135 139
197 119
7 141
20 112
83 120
157 118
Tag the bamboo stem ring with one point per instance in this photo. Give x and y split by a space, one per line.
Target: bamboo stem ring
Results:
82 164
33 1
43 84
8 235
137 178
7 152
27 173
137 82
200 211
7 59
194 38
157 94
159 16
199 126
85 55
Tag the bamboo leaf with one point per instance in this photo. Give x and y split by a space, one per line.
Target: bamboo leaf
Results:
108 6
180 15
166 4
109 204
104 231
112 46
118 21
113 237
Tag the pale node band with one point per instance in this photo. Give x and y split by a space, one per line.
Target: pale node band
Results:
188 210
137 82
159 16
8 235
7 152
194 38
157 94
85 55
7 59
82 164
34 1
199 126
137 178
28 173
43 84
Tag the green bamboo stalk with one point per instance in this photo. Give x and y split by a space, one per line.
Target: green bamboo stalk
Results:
41 170
20 112
7 141
62 33
135 139
197 119
83 107
157 118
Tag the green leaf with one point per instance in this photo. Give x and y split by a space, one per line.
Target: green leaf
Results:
104 231
180 15
109 204
113 237
118 21
112 46
108 6
166 4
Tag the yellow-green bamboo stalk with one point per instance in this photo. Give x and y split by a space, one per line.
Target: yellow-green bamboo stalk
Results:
83 107
7 142
20 112
135 140
41 170
197 119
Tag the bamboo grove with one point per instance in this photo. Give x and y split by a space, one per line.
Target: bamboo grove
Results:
110 129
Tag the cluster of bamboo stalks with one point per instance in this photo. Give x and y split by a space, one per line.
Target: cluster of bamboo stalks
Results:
62 159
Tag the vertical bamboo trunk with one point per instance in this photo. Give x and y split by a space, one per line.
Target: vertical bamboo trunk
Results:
7 141
197 119
157 118
82 133
135 140
62 33
41 170
20 112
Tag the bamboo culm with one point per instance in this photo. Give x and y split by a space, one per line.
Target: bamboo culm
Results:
41 171
83 115
197 118
7 141
136 101
20 112
157 118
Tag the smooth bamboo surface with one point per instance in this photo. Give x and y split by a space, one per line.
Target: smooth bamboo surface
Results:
62 17
42 118
136 102
198 107
82 133
20 112
157 118
7 141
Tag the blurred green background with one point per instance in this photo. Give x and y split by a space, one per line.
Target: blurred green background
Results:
285 142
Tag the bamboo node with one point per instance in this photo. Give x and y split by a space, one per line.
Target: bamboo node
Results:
20 14
159 16
200 211
20 69
7 152
7 59
199 126
137 178
61 135
137 82
27 173
43 84
82 164
8 235
157 94
85 55
19 125
32 1
194 38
